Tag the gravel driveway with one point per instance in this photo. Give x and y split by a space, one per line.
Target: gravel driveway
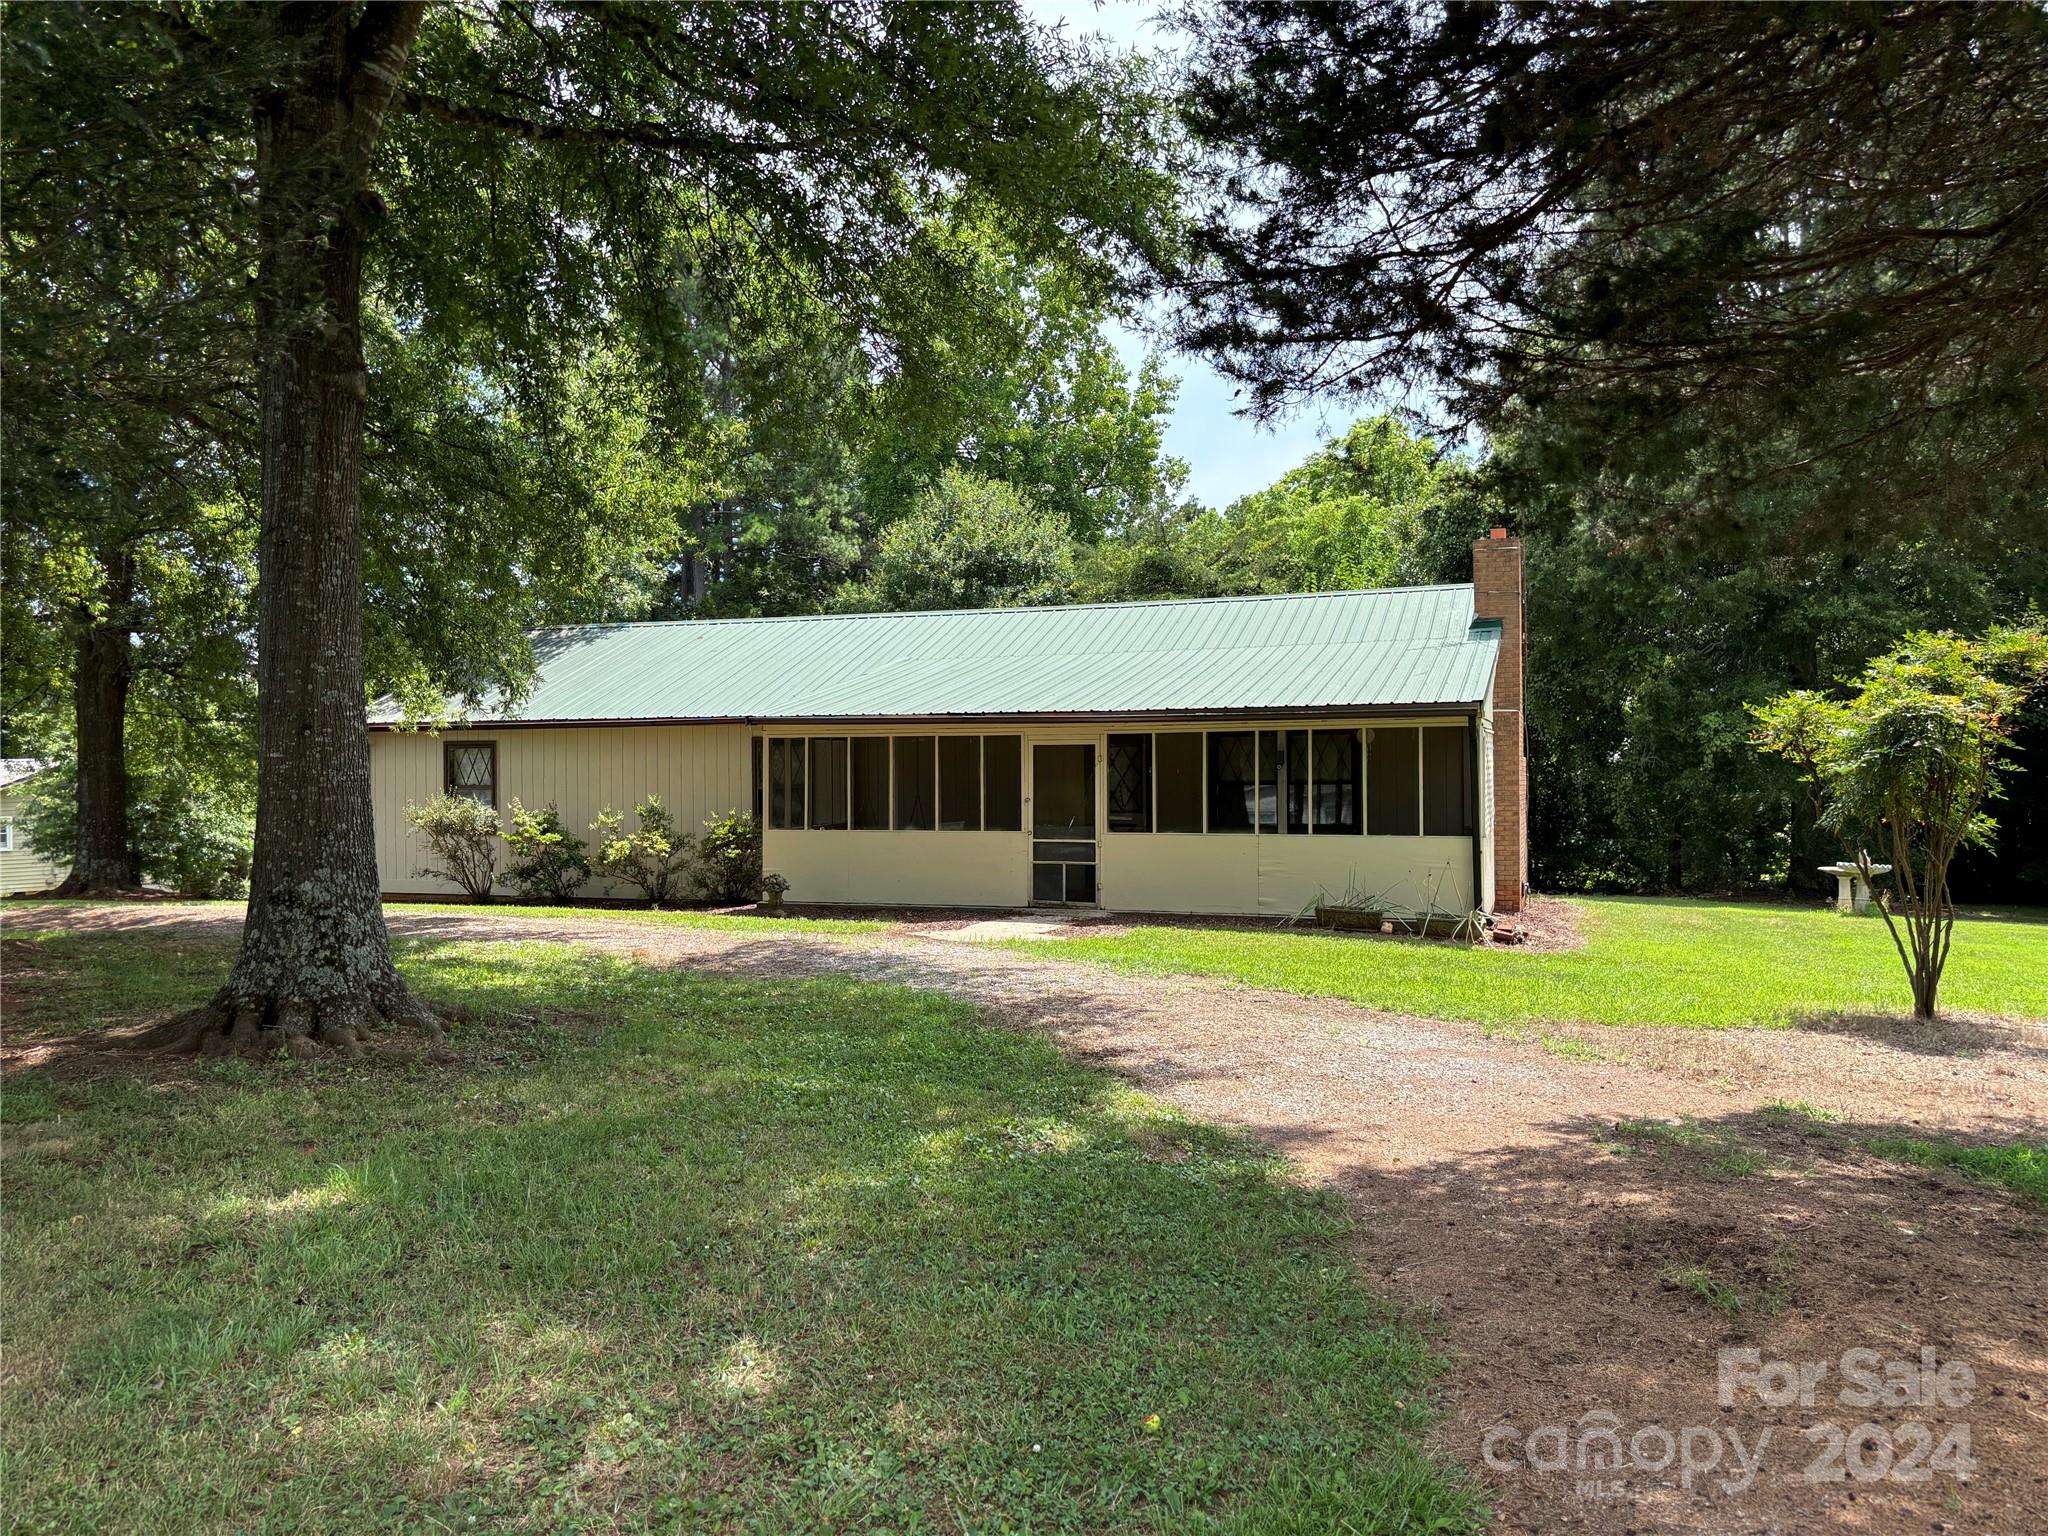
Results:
1496 1201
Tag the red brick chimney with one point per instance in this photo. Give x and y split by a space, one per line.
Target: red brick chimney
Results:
1498 593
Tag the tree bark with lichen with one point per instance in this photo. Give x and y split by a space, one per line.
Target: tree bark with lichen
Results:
315 968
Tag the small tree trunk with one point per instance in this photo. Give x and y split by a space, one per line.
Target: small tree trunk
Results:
102 672
315 966
1924 988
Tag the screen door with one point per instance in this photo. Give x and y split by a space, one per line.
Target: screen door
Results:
1063 823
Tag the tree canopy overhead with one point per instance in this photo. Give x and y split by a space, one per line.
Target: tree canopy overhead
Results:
1804 237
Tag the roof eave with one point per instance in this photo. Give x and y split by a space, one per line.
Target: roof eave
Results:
1030 717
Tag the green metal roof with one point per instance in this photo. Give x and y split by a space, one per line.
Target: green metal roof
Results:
1393 647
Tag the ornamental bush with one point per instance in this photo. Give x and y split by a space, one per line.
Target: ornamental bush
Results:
728 861
655 860
549 862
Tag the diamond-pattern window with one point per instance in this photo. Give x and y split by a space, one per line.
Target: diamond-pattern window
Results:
470 769
1336 796
1233 780
1130 783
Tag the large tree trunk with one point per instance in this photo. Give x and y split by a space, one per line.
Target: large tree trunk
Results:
104 667
315 966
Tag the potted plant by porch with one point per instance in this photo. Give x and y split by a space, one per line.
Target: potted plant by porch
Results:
773 889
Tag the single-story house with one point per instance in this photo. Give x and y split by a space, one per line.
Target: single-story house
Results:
21 867
1225 755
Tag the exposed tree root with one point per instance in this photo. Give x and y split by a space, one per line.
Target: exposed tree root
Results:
227 1025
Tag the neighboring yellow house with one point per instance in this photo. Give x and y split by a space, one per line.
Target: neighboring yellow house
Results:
21 869
1228 755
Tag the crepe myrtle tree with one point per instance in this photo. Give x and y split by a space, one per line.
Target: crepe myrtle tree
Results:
518 175
1909 759
464 835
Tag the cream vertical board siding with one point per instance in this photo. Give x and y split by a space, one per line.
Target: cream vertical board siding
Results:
699 771
1180 872
1410 874
889 869
1278 874
21 869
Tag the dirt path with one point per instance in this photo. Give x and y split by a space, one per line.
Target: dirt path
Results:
1574 1270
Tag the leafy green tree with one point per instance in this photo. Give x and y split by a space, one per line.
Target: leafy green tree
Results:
127 547
1354 514
491 511
1646 650
1344 519
1910 759
811 456
131 440
520 185
1662 225
968 542
191 808
1178 553
127 655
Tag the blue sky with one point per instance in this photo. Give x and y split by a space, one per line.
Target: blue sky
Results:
1226 454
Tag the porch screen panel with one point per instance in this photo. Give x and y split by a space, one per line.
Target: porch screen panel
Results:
785 782
1296 759
1339 790
916 783
1002 777
1393 782
1177 781
959 783
870 774
1130 783
1269 781
1233 780
1447 801
828 783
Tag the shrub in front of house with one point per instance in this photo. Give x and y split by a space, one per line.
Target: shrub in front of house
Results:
729 859
549 862
654 860
463 834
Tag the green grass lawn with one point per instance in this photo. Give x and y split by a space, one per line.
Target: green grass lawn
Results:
668 1252
1698 963
2021 1167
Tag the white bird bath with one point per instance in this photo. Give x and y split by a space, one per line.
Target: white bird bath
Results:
1852 891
